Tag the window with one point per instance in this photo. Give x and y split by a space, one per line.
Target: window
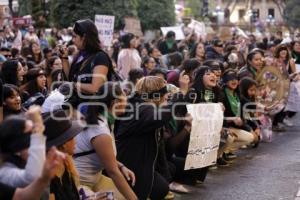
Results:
271 12
241 14
256 13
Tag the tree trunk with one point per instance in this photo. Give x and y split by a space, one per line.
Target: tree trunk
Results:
10 5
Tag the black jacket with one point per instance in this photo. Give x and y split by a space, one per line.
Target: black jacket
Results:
248 125
213 55
137 141
246 72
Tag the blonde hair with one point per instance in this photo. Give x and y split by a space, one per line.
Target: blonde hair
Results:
150 84
70 167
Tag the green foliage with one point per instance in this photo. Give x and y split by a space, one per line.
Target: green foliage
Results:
156 13
292 13
195 7
24 8
65 12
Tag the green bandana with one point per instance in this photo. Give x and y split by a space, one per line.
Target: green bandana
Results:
208 96
173 125
110 118
234 101
170 44
253 71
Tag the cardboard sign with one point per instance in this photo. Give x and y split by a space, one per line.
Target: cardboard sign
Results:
177 29
105 26
205 135
22 21
133 25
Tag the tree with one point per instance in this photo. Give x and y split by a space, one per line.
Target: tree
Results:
24 7
196 8
292 13
65 12
151 18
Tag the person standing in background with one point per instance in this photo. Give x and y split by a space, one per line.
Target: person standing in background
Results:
128 57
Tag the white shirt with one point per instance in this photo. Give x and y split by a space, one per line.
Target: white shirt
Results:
13 176
128 59
89 165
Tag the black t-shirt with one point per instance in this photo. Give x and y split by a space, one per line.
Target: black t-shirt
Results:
1 93
82 71
6 192
64 188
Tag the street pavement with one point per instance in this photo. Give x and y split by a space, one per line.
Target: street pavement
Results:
269 172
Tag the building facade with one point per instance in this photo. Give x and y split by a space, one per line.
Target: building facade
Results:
247 11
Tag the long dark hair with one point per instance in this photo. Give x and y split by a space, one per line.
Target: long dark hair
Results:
245 84
252 53
194 49
280 48
32 58
10 72
107 93
8 91
199 88
87 29
49 65
32 87
126 40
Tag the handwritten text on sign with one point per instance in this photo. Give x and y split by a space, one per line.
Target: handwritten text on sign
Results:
205 135
105 26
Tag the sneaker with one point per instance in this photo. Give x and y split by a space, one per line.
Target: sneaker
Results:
213 167
221 162
198 182
227 159
169 196
231 155
287 122
179 188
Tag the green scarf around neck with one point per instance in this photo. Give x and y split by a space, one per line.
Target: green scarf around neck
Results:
209 95
234 101
109 117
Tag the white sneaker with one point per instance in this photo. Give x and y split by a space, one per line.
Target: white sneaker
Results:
288 122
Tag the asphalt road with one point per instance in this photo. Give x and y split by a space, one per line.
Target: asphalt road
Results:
269 172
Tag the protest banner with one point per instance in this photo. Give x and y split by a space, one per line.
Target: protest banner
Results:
273 89
205 135
21 21
177 29
133 25
293 102
105 26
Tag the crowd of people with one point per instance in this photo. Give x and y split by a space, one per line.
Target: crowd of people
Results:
80 121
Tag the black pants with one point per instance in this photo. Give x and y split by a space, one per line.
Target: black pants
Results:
188 177
291 114
279 117
160 187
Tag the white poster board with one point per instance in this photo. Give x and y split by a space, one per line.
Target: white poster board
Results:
205 135
133 25
297 67
177 29
105 26
293 102
198 27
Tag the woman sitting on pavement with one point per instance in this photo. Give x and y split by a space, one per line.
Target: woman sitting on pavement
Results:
233 121
140 130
